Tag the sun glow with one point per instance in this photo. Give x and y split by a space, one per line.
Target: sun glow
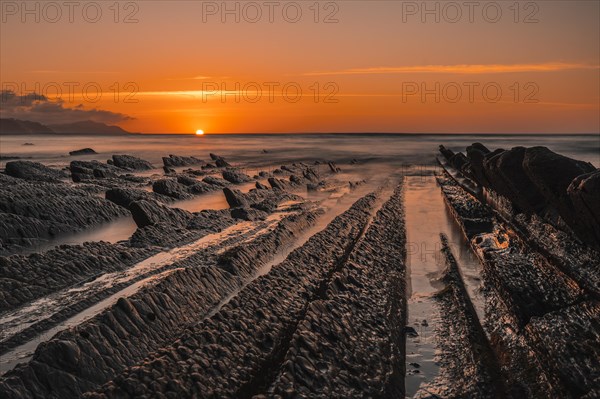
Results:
199 132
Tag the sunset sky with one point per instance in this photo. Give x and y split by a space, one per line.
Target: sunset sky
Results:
369 68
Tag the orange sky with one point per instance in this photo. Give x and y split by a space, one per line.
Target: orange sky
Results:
370 68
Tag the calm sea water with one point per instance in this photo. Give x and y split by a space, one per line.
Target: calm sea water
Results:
248 149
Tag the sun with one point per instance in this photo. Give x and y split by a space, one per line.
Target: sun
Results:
199 132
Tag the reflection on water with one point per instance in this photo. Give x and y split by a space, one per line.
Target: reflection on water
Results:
115 231
426 218
132 279
214 200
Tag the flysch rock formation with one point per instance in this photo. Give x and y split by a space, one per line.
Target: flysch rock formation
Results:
152 318
542 320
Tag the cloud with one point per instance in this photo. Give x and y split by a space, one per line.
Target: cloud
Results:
39 108
460 69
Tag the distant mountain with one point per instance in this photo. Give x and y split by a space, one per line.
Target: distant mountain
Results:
17 126
87 127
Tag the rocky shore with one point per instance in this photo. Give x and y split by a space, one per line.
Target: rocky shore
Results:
540 273
298 284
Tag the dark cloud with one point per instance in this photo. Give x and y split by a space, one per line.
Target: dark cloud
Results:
38 108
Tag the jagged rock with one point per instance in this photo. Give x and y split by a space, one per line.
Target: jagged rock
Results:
458 160
235 176
552 174
148 213
131 162
176 160
279 183
125 196
169 170
310 174
44 273
235 198
103 174
88 167
217 181
37 210
171 188
33 171
507 177
89 170
187 180
202 187
83 151
448 154
262 316
584 192
297 180
260 186
220 161
250 214
333 167
476 154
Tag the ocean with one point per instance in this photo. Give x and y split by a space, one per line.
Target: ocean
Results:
274 149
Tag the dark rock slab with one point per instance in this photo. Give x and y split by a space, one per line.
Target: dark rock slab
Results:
33 171
234 350
35 211
250 214
83 151
345 345
147 213
510 180
217 181
469 367
235 176
133 328
177 160
220 162
89 170
187 180
235 198
171 188
130 162
24 278
333 167
125 196
552 174
584 192
568 341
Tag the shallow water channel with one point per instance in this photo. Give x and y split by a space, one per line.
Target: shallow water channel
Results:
427 217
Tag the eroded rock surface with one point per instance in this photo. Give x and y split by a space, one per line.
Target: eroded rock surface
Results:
130 162
23 278
177 160
535 282
33 171
222 356
32 212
